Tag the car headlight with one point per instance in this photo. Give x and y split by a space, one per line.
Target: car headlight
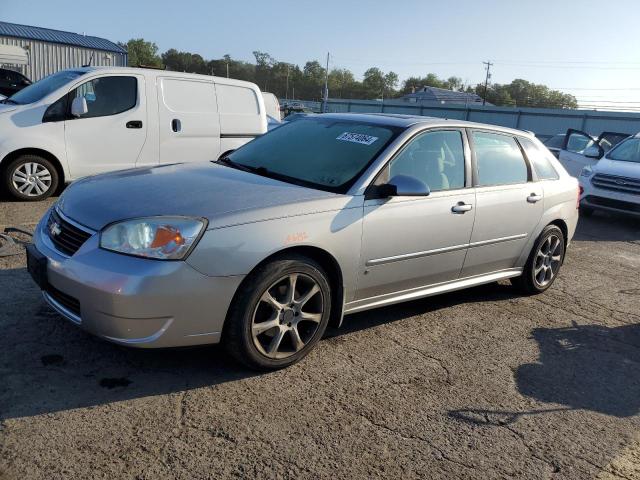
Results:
165 238
586 171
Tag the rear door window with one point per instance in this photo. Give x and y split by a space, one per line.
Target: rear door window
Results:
540 160
499 160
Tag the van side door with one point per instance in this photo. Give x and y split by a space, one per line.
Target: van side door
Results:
188 121
509 203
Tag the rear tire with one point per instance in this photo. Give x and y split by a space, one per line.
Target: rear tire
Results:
272 326
544 262
30 178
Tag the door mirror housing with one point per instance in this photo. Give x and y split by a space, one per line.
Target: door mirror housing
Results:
593 151
403 186
79 107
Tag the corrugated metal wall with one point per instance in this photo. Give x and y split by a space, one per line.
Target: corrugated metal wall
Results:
544 122
47 58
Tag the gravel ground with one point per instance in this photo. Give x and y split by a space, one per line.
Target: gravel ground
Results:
476 384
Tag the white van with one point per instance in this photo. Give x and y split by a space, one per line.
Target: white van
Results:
84 121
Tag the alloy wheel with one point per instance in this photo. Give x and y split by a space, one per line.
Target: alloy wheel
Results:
547 261
31 179
287 316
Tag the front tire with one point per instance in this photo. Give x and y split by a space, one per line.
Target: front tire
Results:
30 178
279 313
544 262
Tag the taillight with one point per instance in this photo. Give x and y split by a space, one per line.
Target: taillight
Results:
580 192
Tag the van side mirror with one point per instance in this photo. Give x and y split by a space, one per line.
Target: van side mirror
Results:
403 186
79 107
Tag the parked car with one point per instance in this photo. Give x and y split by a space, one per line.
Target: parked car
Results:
580 149
555 144
324 216
613 183
12 82
91 120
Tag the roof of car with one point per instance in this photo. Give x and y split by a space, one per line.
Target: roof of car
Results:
406 121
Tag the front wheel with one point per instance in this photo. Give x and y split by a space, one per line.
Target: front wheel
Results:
30 178
279 314
544 262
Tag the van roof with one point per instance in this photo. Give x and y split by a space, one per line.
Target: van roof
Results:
155 72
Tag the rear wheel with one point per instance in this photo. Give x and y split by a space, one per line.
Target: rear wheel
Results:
30 178
279 313
544 262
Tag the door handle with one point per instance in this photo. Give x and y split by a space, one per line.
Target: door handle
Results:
134 124
461 207
533 198
176 126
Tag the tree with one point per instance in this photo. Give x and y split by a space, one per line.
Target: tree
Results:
522 93
373 82
390 83
141 52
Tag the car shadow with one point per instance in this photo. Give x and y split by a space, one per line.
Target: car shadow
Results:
608 227
583 367
49 365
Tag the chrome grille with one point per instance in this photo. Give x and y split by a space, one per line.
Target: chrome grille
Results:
65 236
616 183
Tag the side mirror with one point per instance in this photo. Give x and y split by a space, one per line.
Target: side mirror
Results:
404 186
594 151
25 82
79 107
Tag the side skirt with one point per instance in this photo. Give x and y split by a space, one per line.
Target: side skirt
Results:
421 292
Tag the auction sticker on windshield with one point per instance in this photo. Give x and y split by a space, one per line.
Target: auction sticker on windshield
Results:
357 138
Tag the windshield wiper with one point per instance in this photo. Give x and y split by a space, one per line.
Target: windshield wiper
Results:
230 163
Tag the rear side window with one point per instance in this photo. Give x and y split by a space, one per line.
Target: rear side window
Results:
499 160
188 96
232 99
539 159
108 95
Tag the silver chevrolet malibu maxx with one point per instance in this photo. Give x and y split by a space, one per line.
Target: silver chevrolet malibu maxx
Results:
329 215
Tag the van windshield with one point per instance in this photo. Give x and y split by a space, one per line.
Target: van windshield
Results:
44 87
318 152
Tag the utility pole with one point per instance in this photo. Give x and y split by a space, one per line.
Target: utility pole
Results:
227 69
326 87
286 92
486 81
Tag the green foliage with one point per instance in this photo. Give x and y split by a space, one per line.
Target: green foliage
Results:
141 52
307 83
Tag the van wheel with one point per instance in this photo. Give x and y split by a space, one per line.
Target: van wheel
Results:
544 262
279 313
30 178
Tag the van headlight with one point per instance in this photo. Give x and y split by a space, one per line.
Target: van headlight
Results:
164 238
586 171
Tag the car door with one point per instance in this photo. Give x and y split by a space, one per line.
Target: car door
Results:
111 135
578 150
413 241
509 204
189 124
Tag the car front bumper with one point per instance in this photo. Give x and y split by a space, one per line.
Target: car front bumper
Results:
134 301
610 200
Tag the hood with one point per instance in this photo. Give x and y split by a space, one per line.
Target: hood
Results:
221 194
7 107
616 167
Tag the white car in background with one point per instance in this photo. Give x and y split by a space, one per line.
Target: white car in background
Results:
2 97
613 183
579 149
85 121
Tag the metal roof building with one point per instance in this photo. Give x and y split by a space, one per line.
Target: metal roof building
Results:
442 96
47 51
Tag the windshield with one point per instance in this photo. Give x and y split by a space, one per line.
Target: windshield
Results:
324 153
44 87
626 151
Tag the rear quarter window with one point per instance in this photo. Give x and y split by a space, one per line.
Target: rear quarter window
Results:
539 160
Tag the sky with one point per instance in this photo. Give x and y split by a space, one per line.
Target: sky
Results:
590 49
